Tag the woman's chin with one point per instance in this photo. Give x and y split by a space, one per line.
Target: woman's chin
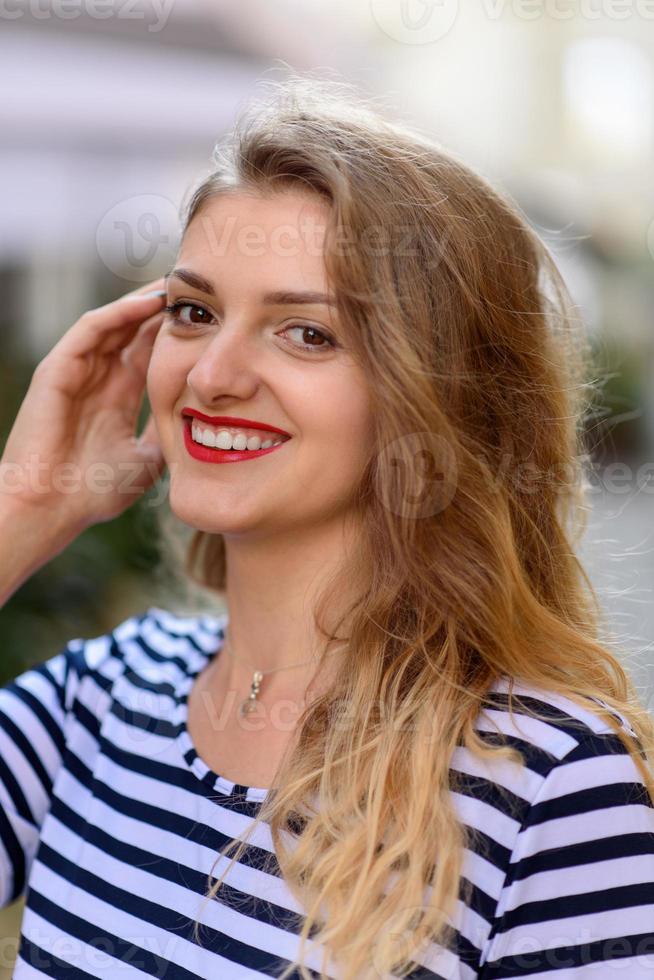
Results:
217 519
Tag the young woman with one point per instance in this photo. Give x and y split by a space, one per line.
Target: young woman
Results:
397 745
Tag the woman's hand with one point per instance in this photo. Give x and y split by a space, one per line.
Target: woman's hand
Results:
72 456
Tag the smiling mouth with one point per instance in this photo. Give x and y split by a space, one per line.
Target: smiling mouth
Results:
235 426
238 442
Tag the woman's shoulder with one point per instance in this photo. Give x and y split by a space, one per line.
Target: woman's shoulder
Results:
565 843
553 721
171 632
561 742
161 636
152 646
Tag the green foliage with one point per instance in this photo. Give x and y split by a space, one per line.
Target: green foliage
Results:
619 376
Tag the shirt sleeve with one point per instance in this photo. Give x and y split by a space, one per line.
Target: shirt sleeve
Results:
578 899
34 716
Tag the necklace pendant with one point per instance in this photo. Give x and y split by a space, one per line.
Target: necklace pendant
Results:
249 705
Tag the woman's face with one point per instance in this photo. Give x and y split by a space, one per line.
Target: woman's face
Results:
237 351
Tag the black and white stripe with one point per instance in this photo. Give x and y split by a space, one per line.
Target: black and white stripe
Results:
111 821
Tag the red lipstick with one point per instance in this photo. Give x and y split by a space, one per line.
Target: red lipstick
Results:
207 454
232 420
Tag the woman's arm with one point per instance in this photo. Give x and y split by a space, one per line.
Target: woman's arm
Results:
79 415
28 540
579 894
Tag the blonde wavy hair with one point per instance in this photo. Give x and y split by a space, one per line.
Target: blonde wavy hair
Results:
470 505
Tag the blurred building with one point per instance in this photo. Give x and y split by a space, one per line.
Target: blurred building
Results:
108 103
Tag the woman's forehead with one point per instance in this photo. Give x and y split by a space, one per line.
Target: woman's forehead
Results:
283 241
284 206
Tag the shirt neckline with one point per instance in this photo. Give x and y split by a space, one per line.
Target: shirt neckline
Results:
204 773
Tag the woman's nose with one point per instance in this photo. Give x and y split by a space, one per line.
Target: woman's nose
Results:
226 366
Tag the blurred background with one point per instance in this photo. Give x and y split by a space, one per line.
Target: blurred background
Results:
110 111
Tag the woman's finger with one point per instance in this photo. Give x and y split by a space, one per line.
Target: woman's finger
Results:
159 283
103 330
143 339
137 353
128 384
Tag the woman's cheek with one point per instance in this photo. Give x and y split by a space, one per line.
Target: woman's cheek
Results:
163 371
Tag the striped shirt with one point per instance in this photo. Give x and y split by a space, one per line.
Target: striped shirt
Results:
110 823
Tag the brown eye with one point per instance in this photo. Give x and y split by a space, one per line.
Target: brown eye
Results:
312 338
198 316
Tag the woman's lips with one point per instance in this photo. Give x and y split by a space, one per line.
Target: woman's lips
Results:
229 421
207 454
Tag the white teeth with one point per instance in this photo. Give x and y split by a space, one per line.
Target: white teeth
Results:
222 439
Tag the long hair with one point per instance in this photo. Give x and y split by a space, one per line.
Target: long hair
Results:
470 505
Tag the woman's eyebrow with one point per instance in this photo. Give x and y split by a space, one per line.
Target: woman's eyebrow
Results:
279 298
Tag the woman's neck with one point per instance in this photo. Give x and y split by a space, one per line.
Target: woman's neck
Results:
271 592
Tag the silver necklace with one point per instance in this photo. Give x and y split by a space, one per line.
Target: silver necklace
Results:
249 704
